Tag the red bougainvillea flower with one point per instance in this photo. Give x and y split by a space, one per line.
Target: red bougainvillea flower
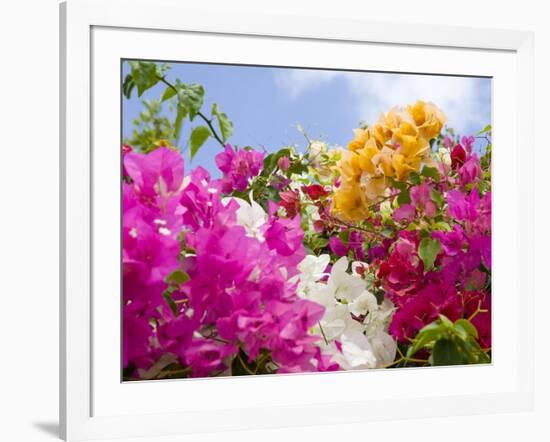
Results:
423 307
314 191
402 271
290 201
458 156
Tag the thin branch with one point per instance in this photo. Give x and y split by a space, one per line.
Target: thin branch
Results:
209 122
200 114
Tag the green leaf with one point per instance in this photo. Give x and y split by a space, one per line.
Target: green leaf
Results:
169 92
240 365
441 225
430 172
485 130
414 178
426 336
447 352
319 242
344 236
198 137
181 114
225 124
467 326
437 197
177 277
270 161
404 197
297 167
191 97
167 295
145 75
128 86
428 250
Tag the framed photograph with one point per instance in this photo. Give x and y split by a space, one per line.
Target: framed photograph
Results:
282 222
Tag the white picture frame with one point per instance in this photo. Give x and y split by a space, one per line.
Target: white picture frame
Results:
93 404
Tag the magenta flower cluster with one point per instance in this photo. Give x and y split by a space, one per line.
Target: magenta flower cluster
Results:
229 292
455 286
238 167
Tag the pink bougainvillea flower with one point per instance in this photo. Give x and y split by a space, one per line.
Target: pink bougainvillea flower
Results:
125 150
284 235
470 172
337 246
404 213
468 143
452 242
421 197
137 335
354 245
283 163
207 356
238 167
159 173
463 207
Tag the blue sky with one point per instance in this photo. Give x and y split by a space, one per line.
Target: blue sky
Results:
266 104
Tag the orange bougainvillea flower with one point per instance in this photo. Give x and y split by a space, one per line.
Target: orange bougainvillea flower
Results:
397 145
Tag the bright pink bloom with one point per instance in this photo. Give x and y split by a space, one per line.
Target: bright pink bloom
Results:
421 197
238 167
404 213
468 143
157 174
125 150
354 244
207 356
470 172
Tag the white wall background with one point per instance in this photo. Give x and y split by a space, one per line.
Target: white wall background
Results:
29 206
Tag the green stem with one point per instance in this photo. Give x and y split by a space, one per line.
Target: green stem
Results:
200 114
243 364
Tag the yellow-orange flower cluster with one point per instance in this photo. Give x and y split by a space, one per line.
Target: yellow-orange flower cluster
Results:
394 147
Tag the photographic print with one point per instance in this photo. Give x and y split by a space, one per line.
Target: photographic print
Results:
288 220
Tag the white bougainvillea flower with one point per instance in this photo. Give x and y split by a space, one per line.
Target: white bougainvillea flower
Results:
251 216
356 351
384 348
343 285
358 268
312 269
365 303
337 321
379 318
354 326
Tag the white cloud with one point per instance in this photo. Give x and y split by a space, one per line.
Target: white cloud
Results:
465 101
296 81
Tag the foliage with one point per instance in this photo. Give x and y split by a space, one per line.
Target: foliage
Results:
374 256
153 129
